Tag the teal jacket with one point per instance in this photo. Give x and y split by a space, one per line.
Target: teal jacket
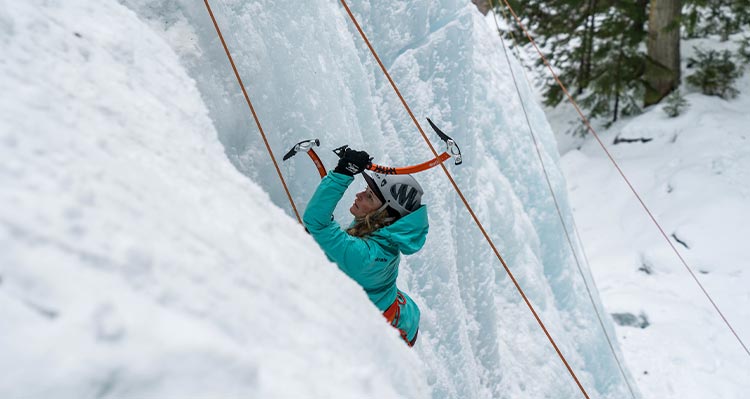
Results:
371 261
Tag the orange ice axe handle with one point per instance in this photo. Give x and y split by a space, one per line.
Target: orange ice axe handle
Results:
407 170
452 151
307 146
404 170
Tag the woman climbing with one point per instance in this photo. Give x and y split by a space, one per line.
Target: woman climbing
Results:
388 220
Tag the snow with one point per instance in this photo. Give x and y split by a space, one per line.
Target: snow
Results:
136 261
149 249
693 176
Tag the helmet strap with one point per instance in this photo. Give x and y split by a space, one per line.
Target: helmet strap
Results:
390 217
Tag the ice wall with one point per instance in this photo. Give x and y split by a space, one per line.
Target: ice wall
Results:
310 75
135 260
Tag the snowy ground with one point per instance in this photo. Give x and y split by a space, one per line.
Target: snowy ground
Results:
694 175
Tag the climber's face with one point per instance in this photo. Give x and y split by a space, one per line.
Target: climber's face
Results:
365 203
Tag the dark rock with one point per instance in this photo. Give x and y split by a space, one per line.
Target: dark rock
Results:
631 320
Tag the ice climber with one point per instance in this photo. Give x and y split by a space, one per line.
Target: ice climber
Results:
389 219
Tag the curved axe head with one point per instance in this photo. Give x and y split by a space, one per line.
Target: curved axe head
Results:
452 146
340 151
302 146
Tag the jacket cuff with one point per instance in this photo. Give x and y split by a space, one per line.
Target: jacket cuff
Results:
340 178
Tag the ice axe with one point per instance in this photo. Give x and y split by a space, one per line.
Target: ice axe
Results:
452 149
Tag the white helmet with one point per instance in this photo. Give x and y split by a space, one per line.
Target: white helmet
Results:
401 193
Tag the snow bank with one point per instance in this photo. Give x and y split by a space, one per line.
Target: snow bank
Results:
136 261
692 173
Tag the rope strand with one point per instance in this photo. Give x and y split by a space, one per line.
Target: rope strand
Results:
622 174
466 203
559 211
252 110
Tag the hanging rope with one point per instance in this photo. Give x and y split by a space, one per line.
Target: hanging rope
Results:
557 207
513 36
466 203
622 174
252 110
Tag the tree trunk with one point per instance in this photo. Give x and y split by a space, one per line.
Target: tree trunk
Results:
663 66
584 71
482 5
618 79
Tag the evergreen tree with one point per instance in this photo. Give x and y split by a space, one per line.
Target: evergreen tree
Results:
562 28
598 46
676 103
594 44
715 74
715 17
617 64
743 51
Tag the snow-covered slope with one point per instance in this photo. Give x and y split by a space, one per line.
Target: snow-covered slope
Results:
138 262
692 172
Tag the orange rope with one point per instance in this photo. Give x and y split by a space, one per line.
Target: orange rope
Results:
466 203
557 206
252 110
622 174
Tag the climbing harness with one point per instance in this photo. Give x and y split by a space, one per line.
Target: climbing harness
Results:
393 315
452 149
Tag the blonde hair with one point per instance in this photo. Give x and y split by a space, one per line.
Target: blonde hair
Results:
365 226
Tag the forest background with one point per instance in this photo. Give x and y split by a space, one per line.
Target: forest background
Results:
618 57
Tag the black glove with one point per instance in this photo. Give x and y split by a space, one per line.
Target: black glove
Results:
353 162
